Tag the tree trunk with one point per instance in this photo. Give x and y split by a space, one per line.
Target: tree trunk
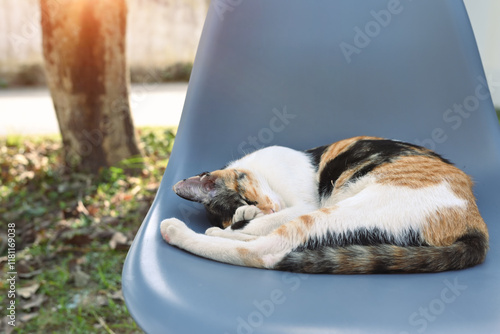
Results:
84 51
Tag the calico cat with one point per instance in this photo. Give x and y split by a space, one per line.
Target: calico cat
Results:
358 206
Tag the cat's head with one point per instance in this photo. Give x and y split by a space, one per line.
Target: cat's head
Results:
223 191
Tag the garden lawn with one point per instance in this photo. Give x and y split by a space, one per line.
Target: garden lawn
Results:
73 231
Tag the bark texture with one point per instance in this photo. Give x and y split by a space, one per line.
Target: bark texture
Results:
84 51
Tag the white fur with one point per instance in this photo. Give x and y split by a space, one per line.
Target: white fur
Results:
284 174
391 209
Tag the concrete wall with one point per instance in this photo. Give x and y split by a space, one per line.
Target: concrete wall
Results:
485 18
160 32
20 33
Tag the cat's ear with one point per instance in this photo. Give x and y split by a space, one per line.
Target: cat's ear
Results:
200 188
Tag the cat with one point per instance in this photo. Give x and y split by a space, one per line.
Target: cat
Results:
362 205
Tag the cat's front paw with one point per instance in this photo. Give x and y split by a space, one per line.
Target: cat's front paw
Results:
174 231
246 213
213 231
228 234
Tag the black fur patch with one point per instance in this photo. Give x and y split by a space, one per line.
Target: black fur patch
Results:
362 237
239 225
476 244
223 206
315 154
369 154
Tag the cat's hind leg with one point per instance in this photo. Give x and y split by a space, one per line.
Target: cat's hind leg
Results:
253 253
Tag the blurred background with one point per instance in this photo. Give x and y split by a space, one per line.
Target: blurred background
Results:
74 223
162 37
161 41
160 34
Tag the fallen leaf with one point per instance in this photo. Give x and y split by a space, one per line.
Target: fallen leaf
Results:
118 240
25 317
134 180
101 301
81 278
79 240
28 291
81 208
109 220
30 274
21 159
34 302
93 210
135 190
153 187
127 197
116 295
102 234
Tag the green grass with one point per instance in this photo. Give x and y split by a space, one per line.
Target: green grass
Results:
64 225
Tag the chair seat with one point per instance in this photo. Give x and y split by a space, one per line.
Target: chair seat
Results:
307 73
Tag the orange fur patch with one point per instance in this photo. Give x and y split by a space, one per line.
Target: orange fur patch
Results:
418 172
338 147
445 227
227 176
326 211
250 259
448 225
247 187
343 178
307 220
283 232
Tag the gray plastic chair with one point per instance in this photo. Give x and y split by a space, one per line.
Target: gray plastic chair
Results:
304 73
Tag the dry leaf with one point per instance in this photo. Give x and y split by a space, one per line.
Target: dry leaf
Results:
118 240
117 295
81 278
81 208
108 220
28 291
93 210
102 234
101 301
30 274
127 197
20 159
79 240
34 302
135 190
25 317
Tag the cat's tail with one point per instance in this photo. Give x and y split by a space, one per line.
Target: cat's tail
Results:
467 251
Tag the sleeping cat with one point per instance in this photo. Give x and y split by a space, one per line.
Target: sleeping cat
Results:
358 206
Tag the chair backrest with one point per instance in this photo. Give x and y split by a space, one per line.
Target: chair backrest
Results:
306 73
